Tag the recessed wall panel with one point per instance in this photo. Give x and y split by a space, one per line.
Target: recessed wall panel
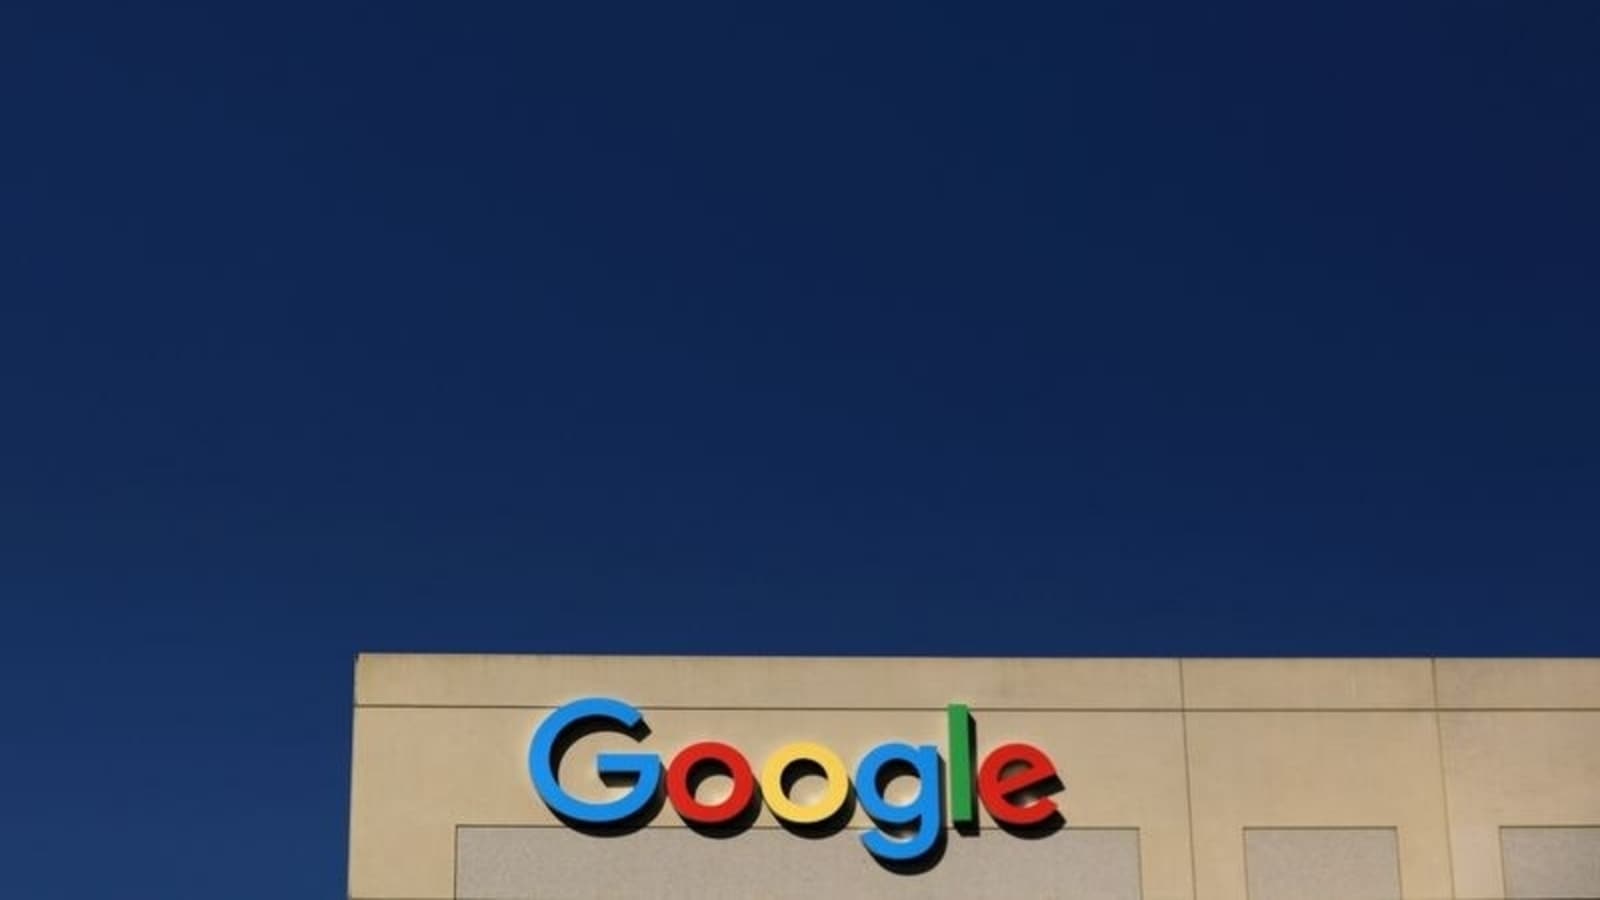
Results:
1322 863
1551 863
498 863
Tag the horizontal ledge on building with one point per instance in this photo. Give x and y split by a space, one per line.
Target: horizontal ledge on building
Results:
1011 709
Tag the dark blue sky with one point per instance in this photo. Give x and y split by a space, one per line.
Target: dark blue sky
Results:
526 327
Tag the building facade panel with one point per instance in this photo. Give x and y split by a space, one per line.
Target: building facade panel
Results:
767 682
1510 768
1190 760
1310 684
1340 769
1518 683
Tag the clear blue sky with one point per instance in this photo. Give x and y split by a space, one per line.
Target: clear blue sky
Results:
543 327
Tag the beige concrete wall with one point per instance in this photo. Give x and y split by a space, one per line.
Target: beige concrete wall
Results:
1187 754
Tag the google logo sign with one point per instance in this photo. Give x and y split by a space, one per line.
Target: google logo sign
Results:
1012 781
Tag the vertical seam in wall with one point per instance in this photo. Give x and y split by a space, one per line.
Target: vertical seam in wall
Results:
1188 783
1400 871
1500 838
1444 780
1138 848
1244 854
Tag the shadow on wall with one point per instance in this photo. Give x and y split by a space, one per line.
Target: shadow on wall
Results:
833 824
1035 792
586 728
732 828
829 827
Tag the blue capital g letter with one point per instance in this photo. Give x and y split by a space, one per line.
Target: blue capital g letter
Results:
556 729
